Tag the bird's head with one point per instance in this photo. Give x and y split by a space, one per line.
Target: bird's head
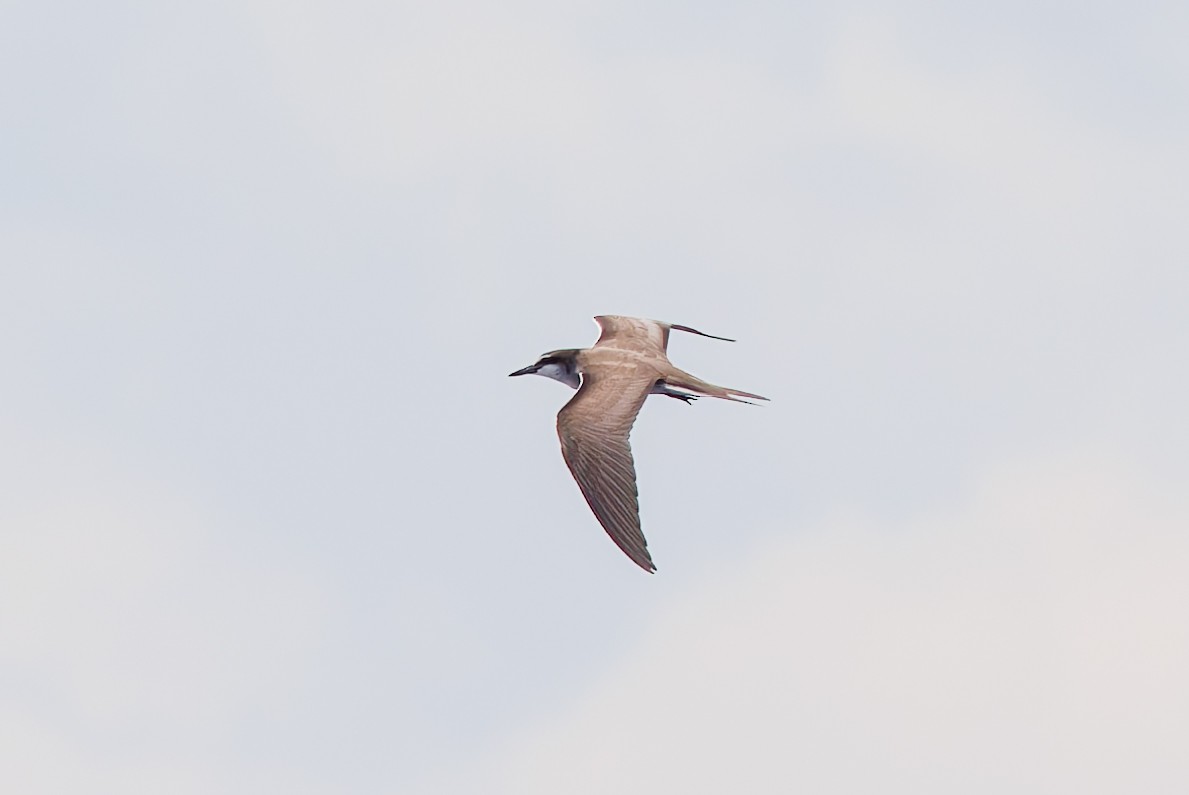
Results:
559 365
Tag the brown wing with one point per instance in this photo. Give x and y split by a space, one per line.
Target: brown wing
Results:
633 334
594 428
636 333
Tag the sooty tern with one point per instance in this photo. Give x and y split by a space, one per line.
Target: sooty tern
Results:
613 378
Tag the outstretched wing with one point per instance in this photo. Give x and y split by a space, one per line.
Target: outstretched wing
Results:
632 334
640 334
594 428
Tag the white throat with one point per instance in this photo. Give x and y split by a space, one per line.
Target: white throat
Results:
559 373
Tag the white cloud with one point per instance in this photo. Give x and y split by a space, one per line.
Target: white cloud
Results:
1000 130
929 264
135 630
1031 641
409 90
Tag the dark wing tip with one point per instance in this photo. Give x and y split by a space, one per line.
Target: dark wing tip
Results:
699 333
644 563
643 560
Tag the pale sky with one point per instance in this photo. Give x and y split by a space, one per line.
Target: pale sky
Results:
274 519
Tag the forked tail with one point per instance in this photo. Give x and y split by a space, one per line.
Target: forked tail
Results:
683 380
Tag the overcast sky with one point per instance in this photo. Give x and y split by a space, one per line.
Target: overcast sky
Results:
274 519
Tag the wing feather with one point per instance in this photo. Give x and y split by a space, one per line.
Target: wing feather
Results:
594 428
640 334
632 334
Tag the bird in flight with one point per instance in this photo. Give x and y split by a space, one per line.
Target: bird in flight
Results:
627 364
